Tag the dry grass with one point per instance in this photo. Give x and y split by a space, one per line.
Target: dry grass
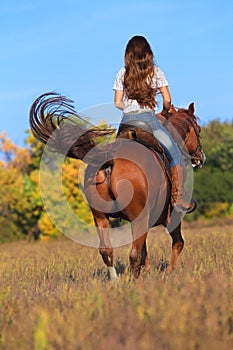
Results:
55 295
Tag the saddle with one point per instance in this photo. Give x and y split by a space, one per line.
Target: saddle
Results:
142 133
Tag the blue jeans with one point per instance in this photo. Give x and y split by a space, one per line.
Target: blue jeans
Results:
160 133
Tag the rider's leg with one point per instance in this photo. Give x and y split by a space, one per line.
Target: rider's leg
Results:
175 159
178 192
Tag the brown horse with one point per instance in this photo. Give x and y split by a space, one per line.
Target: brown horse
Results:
124 179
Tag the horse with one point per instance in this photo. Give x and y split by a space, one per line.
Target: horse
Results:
127 178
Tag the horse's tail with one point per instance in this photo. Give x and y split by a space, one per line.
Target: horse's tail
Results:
54 121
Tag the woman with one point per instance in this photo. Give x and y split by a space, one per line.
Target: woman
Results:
135 88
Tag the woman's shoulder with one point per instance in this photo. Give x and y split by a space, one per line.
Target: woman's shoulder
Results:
121 71
120 74
118 83
159 79
157 69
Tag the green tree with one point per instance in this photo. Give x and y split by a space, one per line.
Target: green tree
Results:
217 139
213 183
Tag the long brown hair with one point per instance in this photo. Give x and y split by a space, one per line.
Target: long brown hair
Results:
139 65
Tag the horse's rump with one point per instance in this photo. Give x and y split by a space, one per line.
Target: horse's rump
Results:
133 174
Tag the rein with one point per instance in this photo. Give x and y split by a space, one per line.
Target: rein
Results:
193 154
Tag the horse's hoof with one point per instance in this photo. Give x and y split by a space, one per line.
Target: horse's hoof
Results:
112 273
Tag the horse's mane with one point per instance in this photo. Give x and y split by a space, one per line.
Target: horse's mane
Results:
181 119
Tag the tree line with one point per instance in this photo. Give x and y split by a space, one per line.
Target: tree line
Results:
22 212
213 183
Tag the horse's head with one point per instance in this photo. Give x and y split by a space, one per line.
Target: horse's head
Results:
185 122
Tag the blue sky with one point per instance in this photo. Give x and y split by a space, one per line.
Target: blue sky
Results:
76 47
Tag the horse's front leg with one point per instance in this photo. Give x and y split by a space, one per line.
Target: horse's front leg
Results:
105 247
145 260
177 246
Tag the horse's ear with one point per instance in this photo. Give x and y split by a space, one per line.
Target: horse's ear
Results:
172 109
191 109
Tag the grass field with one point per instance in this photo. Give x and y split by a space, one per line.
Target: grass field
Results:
56 295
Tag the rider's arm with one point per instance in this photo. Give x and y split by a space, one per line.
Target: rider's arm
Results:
118 99
166 99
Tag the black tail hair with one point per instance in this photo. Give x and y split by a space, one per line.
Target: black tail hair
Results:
54 121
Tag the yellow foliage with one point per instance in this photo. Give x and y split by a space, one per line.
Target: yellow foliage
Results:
217 209
10 187
72 175
16 157
46 226
34 176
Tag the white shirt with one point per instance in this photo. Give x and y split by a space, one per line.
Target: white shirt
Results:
159 80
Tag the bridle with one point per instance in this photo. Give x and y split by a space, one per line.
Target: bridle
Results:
197 154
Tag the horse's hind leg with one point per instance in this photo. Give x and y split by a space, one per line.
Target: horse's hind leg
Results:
177 246
145 260
138 255
105 247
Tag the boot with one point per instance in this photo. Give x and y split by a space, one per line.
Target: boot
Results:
178 193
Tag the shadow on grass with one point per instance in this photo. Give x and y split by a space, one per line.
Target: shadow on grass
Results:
162 265
123 269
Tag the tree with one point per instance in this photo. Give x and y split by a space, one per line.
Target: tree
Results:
14 207
217 139
213 183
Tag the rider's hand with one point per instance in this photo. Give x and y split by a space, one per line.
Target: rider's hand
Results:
165 113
